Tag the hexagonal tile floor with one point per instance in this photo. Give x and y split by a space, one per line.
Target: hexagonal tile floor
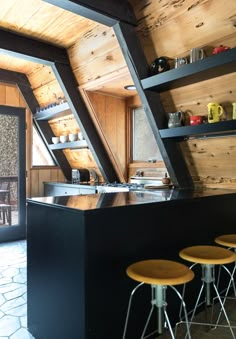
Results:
13 299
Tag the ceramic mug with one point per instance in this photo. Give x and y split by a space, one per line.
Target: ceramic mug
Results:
196 120
234 110
215 110
180 62
175 119
196 54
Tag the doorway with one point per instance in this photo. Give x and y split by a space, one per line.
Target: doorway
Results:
12 174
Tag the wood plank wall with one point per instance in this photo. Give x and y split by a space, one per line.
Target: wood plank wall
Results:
171 29
168 29
40 175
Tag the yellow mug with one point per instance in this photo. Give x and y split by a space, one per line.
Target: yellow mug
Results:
215 110
234 110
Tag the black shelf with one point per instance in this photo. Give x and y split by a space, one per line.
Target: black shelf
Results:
209 130
72 144
49 113
207 68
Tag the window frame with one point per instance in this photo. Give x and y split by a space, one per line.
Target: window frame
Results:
49 166
130 139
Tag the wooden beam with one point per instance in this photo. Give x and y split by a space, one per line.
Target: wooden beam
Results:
57 58
23 84
30 49
139 69
105 12
69 86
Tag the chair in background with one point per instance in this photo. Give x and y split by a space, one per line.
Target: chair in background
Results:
5 192
5 207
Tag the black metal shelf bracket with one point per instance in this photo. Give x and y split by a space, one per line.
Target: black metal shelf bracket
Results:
207 130
210 67
70 145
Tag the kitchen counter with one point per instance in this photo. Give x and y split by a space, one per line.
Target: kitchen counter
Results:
78 249
106 200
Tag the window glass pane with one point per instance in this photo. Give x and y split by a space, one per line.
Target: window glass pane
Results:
9 170
144 144
40 156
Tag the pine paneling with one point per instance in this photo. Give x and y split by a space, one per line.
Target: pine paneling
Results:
40 175
111 114
172 28
165 29
64 125
193 99
212 161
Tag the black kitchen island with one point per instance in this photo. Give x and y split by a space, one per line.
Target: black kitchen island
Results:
78 248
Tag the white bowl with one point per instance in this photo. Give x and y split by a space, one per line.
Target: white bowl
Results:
73 136
55 140
80 136
63 138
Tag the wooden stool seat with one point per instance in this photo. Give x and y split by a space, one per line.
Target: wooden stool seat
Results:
210 255
228 240
160 275
160 272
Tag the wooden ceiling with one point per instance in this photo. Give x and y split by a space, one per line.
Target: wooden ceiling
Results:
47 23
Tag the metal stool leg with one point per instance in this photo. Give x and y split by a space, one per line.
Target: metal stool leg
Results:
208 281
231 281
129 306
158 300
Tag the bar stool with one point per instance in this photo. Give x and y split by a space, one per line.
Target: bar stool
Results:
229 241
208 257
159 274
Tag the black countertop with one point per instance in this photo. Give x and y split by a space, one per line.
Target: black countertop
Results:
107 200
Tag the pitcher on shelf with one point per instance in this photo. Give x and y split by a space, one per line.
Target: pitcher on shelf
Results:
175 119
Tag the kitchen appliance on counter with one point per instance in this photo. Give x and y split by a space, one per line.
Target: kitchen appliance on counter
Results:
80 175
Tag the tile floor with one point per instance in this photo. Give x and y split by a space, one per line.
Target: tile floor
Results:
13 298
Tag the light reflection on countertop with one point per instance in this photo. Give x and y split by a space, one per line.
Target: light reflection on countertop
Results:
107 200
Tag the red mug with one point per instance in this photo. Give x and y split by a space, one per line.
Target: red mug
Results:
196 120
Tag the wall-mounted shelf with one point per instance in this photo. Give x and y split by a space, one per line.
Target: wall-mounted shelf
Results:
213 129
51 112
42 121
70 145
207 68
